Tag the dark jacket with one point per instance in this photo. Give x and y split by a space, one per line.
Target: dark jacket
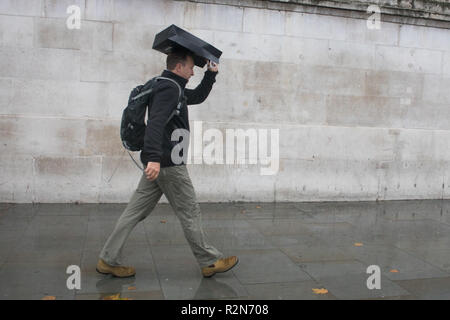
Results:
157 141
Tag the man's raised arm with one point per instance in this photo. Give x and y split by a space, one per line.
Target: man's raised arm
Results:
199 94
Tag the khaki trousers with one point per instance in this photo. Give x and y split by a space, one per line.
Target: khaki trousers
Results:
175 183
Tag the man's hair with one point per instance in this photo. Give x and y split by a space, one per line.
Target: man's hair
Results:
178 56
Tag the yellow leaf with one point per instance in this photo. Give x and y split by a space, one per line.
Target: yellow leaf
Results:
394 271
113 297
131 288
258 207
49 298
358 244
320 291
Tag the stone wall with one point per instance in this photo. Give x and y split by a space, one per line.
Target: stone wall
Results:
363 114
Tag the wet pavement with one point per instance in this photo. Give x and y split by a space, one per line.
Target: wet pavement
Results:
286 251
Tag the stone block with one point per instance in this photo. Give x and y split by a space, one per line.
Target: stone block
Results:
16 185
56 98
404 85
67 179
338 143
305 51
39 136
53 33
427 115
271 48
357 31
270 106
424 37
103 138
213 17
315 26
332 80
99 10
222 183
231 75
423 146
446 181
133 37
6 89
58 8
119 66
117 97
435 89
16 31
155 12
365 111
446 63
21 7
412 180
223 106
249 46
326 180
351 55
263 21
55 64
408 59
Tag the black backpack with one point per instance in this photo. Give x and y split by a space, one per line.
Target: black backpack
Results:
132 127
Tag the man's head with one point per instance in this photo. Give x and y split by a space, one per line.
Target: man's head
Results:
181 62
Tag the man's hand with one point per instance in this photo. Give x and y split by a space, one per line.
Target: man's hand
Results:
152 170
212 66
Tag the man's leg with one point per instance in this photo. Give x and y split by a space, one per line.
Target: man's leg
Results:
141 204
177 187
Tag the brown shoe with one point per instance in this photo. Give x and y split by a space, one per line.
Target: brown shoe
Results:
117 271
221 265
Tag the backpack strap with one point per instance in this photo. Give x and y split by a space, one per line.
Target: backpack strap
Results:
180 102
179 88
143 93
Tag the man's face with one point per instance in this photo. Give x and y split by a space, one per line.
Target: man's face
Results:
187 70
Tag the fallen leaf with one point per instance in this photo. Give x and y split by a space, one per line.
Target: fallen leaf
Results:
163 221
112 297
320 291
258 207
131 288
394 271
242 211
49 298
115 297
358 244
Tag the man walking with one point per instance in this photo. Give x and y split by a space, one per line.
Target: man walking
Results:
166 175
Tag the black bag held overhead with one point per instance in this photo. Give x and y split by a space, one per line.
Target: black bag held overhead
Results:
132 127
174 37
